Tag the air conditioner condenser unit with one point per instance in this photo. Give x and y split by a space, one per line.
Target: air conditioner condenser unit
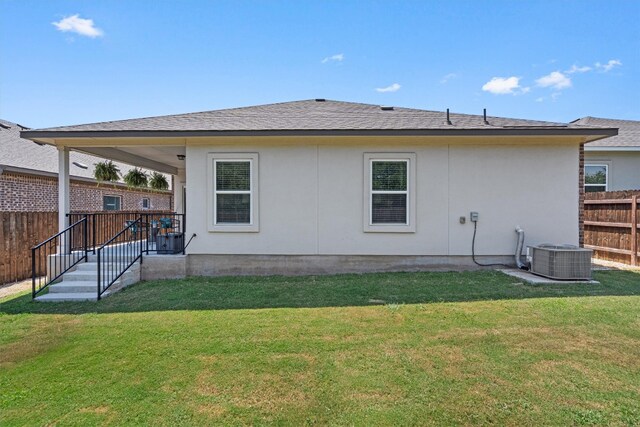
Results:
561 262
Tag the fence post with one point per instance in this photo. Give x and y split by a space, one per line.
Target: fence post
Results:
148 224
634 230
93 231
184 233
142 237
33 273
99 274
85 240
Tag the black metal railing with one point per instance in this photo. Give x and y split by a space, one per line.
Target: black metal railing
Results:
118 254
58 254
118 238
103 226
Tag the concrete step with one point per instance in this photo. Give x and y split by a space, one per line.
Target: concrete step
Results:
76 296
93 266
112 256
92 275
74 287
82 284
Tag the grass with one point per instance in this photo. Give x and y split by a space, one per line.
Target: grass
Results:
380 349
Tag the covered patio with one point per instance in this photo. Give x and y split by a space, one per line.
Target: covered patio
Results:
96 253
156 154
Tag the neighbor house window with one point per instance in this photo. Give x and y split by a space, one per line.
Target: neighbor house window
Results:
145 203
111 203
234 185
596 177
390 192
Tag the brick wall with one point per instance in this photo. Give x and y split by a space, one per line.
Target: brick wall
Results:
23 193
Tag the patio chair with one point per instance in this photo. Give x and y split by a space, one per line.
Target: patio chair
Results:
133 230
168 225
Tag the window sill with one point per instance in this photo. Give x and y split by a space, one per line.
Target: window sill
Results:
230 228
389 228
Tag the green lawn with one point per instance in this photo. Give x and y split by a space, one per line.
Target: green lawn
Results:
380 349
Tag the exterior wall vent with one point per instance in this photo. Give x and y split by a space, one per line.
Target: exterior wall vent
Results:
562 262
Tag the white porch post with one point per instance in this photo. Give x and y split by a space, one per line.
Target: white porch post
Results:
63 192
179 182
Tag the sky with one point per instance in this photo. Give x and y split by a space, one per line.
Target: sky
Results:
71 62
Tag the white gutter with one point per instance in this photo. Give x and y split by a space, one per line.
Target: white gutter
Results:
587 147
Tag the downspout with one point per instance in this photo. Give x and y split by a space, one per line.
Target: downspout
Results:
518 256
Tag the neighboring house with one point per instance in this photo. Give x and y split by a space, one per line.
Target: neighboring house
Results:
614 163
28 180
321 186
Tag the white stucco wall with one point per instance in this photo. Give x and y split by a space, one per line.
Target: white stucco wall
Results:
311 197
624 168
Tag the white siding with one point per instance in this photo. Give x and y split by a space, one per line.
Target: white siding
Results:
311 198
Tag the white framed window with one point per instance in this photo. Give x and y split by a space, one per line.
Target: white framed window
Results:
111 203
390 196
145 203
233 186
596 177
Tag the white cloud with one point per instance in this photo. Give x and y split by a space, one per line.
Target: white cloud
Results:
338 57
555 96
555 79
540 99
448 77
393 88
609 65
75 24
503 85
575 69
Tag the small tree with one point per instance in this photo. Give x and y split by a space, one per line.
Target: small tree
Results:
158 181
106 171
135 178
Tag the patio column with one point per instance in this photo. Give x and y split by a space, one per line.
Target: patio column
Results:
63 188
179 183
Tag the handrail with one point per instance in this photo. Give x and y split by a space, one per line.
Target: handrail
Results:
62 232
57 255
103 225
140 212
120 233
118 255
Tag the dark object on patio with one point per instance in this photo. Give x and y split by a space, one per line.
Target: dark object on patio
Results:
170 243
154 228
133 228
169 225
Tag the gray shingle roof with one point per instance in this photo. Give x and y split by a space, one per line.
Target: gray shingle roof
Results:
628 132
22 153
308 115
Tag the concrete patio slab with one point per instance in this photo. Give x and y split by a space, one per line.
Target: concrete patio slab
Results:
533 279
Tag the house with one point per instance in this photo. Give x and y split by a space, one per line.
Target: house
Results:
614 163
28 180
320 186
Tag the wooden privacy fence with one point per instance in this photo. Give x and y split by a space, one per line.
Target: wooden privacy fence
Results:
611 225
19 232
